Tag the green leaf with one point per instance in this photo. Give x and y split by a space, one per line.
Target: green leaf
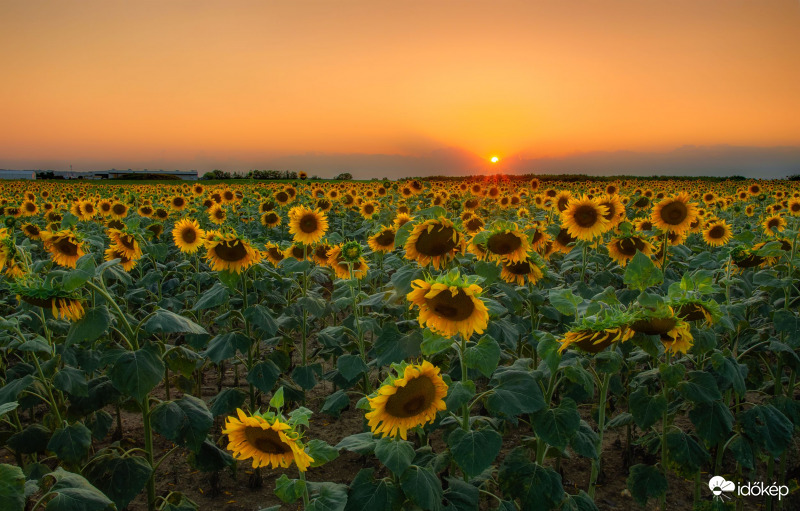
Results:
515 392
484 356
289 490
166 322
224 346
422 487
489 271
227 401
367 493
712 421
395 454
580 502
321 452
185 421
731 373
351 366
557 425
335 403
547 349
8 407
264 376
120 479
90 327
768 428
461 496
565 301
686 452
642 273
327 497
608 362
701 388
277 399
584 441
12 488
361 443
474 451
72 492
177 501
136 373
646 409
393 347
30 440
433 343
210 458
646 482
536 487
84 270
306 376
459 394
262 318
671 374
72 381
71 443
214 297
12 389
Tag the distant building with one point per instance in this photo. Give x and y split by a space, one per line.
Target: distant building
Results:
187 175
17 174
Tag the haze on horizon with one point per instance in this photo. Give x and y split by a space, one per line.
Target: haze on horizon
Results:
394 89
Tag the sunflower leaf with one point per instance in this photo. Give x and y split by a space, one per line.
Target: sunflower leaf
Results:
642 273
90 327
12 488
484 356
422 487
474 451
433 343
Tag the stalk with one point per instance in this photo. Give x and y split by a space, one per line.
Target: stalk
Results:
148 447
601 422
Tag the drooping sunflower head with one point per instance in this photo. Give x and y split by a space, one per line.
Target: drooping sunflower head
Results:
307 225
383 240
623 248
449 305
229 252
187 235
126 242
693 309
65 247
320 253
434 242
269 441
411 399
584 218
596 333
49 295
531 269
674 214
113 252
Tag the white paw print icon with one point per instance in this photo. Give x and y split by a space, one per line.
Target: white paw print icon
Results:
718 485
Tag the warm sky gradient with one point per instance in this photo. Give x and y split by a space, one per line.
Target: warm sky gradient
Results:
393 88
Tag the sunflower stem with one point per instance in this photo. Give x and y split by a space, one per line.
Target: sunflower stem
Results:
462 359
664 428
601 423
361 348
664 255
305 489
583 263
148 447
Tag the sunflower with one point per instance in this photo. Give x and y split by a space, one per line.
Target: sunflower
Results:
529 268
125 243
320 253
270 219
177 203
679 339
369 209
63 304
615 209
65 247
146 211
794 206
274 254
227 251
774 224
307 226
563 242
717 233
118 210
32 231
697 310
188 235
449 305
104 207
269 441
433 241
383 241
622 249
86 210
342 268
584 218
674 214
473 224
594 340
297 251
407 401
217 214
402 219
28 208
113 252
505 243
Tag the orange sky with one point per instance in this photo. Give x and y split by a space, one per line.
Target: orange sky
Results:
185 81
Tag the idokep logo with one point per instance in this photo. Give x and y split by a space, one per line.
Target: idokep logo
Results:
719 486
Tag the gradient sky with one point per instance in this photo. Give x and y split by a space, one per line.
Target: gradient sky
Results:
399 88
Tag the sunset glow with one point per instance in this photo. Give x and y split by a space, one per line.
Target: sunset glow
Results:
255 84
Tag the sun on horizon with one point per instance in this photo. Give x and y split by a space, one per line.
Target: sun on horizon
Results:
494 159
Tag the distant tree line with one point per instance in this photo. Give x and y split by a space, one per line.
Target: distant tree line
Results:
48 174
217 174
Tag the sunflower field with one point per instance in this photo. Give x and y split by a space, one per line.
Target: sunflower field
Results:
457 345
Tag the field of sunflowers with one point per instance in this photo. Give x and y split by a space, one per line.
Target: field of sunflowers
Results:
418 344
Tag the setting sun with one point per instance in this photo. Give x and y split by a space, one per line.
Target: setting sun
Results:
495 159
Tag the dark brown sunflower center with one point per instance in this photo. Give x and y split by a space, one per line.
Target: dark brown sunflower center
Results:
586 216
369 209
522 268
275 253
454 308
503 243
471 203
413 399
642 202
127 241
473 224
282 196
231 251
266 440
308 223
321 252
32 230
654 326
189 235
674 213
88 208
562 202
219 214
564 237
271 218
385 238
716 232
773 223
146 210
66 247
596 342
178 202
610 211
436 242
44 303
298 253
118 209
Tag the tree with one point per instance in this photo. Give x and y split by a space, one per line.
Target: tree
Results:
344 176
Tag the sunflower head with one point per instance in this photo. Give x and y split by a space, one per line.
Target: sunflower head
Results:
383 240
585 218
449 305
433 241
504 242
307 225
410 399
49 295
187 235
674 214
229 252
268 439
595 333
